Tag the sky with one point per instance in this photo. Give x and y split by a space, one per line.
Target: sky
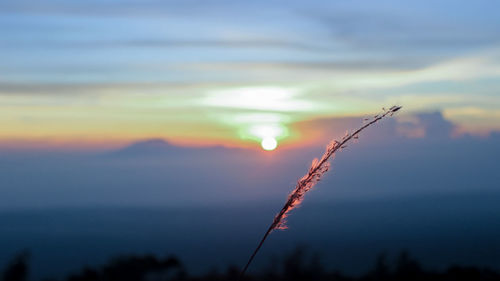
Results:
201 73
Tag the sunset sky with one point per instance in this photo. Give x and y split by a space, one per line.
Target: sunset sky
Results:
143 126
107 73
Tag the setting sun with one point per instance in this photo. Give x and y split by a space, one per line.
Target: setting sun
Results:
269 143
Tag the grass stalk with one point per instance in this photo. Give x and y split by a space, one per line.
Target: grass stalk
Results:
316 171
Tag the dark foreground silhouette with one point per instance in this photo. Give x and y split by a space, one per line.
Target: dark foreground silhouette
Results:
298 266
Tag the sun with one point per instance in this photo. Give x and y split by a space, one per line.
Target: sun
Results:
269 143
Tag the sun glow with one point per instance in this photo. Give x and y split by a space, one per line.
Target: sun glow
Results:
269 143
277 99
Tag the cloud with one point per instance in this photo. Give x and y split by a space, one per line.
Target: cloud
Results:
406 30
427 126
124 78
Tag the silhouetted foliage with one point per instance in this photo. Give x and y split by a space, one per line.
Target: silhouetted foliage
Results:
17 269
298 265
407 268
132 268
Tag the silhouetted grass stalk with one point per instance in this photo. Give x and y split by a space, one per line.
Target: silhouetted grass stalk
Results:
316 171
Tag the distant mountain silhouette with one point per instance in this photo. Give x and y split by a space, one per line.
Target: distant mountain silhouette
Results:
162 148
148 147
